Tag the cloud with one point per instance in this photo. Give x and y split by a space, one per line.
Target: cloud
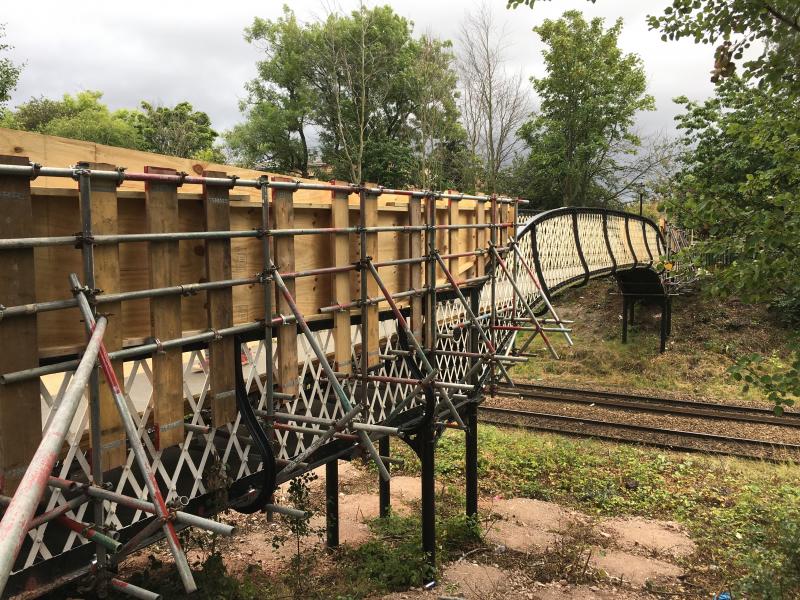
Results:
166 52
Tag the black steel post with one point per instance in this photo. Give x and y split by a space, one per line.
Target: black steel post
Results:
427 446
426 434
471 441
625 318
669 315
332 503
384 487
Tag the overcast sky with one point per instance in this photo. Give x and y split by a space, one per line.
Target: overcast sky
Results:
166 52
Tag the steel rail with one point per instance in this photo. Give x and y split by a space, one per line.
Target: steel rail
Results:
643 403
79 239
583 422
119 176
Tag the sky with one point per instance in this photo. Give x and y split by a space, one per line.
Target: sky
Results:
166 52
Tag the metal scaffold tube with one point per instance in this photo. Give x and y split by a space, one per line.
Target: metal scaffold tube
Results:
140 456
350 411
16 519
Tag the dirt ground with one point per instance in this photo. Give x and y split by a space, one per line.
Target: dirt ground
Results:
632 556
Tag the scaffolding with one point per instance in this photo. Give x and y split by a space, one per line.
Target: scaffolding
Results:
376 363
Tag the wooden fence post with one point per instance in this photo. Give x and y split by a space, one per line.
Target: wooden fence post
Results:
219 302
373 343
20 405
113 451
283 207
340 288
415 269
161 201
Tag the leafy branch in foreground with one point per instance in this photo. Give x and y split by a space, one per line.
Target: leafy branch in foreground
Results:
782 387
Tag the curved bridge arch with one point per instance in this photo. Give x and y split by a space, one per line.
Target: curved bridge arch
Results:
569 246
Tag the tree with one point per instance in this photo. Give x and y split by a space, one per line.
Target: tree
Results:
362 71
739 184
494 101
381 102
35 114
738 24
9 71
739 187
280 101
80 117
435 116
178 131
589 98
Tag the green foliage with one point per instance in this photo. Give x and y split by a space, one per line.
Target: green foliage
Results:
177 131
381 101
80 117
770 556
280 101
9 71
781 386
589 98
772 25
740 186
35 114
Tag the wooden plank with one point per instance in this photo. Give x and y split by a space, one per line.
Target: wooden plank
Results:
504 218
283 218
341 290
481 236
105 220
455 234
219 303
20 406
165 312
373 290
415 270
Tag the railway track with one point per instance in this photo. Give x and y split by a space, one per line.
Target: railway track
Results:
614 427
653 404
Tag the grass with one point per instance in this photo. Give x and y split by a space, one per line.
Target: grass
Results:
740 513
707 336
390 561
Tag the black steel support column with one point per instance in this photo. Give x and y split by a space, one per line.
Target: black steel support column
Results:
426 440
471 419
624 318
332 503
427 448
384 487
669 315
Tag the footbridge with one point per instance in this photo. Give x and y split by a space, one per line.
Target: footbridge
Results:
181 339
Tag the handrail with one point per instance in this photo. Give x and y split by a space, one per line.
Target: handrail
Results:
614 264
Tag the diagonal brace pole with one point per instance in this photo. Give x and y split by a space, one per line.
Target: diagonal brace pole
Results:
417 348
522 300
329 372
470 315
17 518
546 300
139 454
